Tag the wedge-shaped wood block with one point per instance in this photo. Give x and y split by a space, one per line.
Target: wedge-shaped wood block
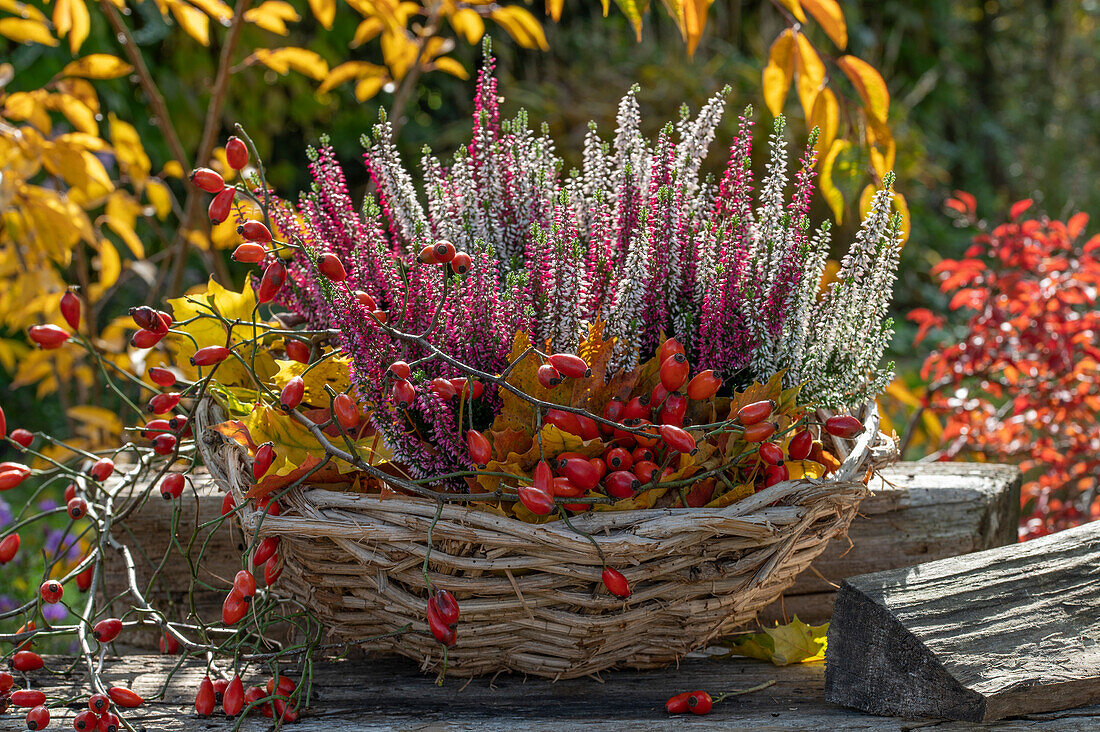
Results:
979 637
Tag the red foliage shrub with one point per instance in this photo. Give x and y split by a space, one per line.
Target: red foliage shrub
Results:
1021 382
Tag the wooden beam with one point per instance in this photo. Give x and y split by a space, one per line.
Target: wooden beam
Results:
999 633
392 694
918 512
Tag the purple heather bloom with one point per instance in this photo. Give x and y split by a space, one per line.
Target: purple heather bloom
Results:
637 239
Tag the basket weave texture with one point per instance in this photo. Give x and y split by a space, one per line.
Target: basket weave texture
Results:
530 595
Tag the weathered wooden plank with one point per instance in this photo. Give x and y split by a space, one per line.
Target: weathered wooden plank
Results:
393 695
1003 632
918 512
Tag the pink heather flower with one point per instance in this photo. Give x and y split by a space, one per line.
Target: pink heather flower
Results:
637 238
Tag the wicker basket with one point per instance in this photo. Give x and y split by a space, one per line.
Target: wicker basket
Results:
530 595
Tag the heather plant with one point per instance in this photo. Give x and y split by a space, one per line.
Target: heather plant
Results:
636 243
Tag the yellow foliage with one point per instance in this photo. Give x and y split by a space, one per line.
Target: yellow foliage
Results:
783 645
237 307
97 66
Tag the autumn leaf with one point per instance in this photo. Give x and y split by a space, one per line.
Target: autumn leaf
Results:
350 71
811 73
294 443
869 85
282 474
830 17
26 30
779 72
521 26
233 306
70 17
829 191
467 23
826 118
193 21
331 372
324 11
273 15
783 645
97 66
283 60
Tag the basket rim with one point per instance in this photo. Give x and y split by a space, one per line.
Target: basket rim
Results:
871 447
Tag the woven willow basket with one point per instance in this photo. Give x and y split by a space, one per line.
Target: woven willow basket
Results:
530 595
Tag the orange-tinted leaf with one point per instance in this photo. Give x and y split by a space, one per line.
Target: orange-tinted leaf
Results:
830 17
779 72
869 85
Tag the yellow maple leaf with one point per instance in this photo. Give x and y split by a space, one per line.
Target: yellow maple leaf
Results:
207 331
332 372
783 645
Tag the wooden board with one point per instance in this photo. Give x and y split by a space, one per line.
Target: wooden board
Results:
918 512
1004 632
371 696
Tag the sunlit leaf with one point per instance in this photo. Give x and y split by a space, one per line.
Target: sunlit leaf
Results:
160 196
779 71
282 60
70 17
450 66
273 15
826 117
468 24
193 21
796 9
97 66
521 26
324 11
233 306
367 88
869 85
811 73
25 30
22 10
830 17
109 266
829 191
79 115
399 53
349 71
122 212
132 158
367 31
216 9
